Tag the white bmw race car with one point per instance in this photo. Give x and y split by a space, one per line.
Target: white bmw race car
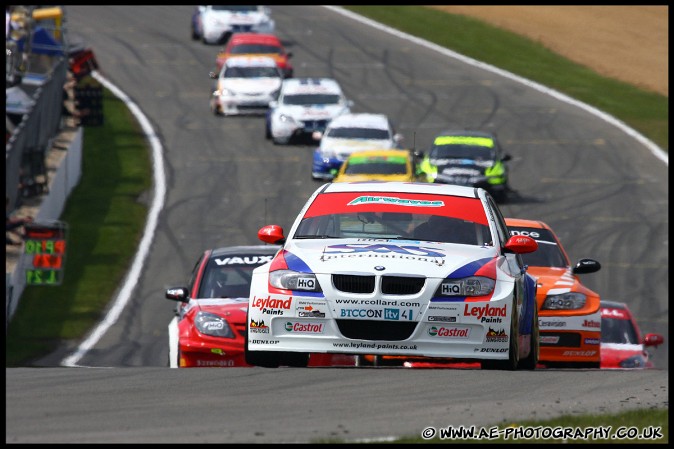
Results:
245 85
214 24
304 106
395 268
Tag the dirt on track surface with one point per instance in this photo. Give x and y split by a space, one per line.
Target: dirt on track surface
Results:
628 43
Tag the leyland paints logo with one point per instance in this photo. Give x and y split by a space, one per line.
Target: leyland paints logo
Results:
394 200
484 311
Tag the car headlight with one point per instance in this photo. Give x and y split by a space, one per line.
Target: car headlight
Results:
224 93
294 280
287 119
565 301
328 154
636 361
212 324
470 286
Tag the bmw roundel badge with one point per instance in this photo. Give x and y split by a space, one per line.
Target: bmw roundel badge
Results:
379 268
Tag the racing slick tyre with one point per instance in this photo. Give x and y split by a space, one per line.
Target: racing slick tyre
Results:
513 360
265 359
531 360
295 359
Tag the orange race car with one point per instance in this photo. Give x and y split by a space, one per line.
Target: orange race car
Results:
569 316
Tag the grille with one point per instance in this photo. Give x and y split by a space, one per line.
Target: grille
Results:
315 125
566 339
397 285
241 28
353 284
376 330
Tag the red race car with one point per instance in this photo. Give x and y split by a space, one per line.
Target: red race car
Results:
257 44
209 329
622 345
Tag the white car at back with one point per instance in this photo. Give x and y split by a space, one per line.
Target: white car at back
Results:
245 85
215 23
304 106
348 133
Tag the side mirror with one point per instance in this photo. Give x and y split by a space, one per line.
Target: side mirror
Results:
653 340
289 54
506 158
213 75
349 103
521 244
398 138
180 294
271 234
273 104
585 266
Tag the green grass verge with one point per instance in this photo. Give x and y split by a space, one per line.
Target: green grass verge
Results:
105 220
642 110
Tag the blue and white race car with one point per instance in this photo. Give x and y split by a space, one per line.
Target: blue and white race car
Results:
304 106
349 133
395 268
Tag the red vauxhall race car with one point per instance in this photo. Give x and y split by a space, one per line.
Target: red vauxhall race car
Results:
209 329
622 345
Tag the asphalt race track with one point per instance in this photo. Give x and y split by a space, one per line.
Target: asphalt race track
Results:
604 193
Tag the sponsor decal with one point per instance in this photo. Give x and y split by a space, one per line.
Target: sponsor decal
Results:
487 311
378 302
493 349
592 323
580 353
258 327
451 308
223 363
246 260
549 339
493 319
382 249
175 291
591 341
532 234
552 324
386 314
310 328
446 319
265 342
309 312
455 332
272 306
614 313
394 200
496 336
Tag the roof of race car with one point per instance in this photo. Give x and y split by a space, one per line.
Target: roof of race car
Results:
360 120
253 38
310 85
400 187
250 61
520 222
245 249
468 138
387 153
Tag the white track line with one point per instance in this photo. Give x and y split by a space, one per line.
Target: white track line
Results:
157 204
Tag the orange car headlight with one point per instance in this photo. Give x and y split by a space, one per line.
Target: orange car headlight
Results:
565 301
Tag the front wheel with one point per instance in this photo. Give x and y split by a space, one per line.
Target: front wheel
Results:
531 360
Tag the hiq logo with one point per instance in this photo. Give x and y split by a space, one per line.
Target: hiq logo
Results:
306 283
450 289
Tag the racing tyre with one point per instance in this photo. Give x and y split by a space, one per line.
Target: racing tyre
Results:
513 350
531 360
